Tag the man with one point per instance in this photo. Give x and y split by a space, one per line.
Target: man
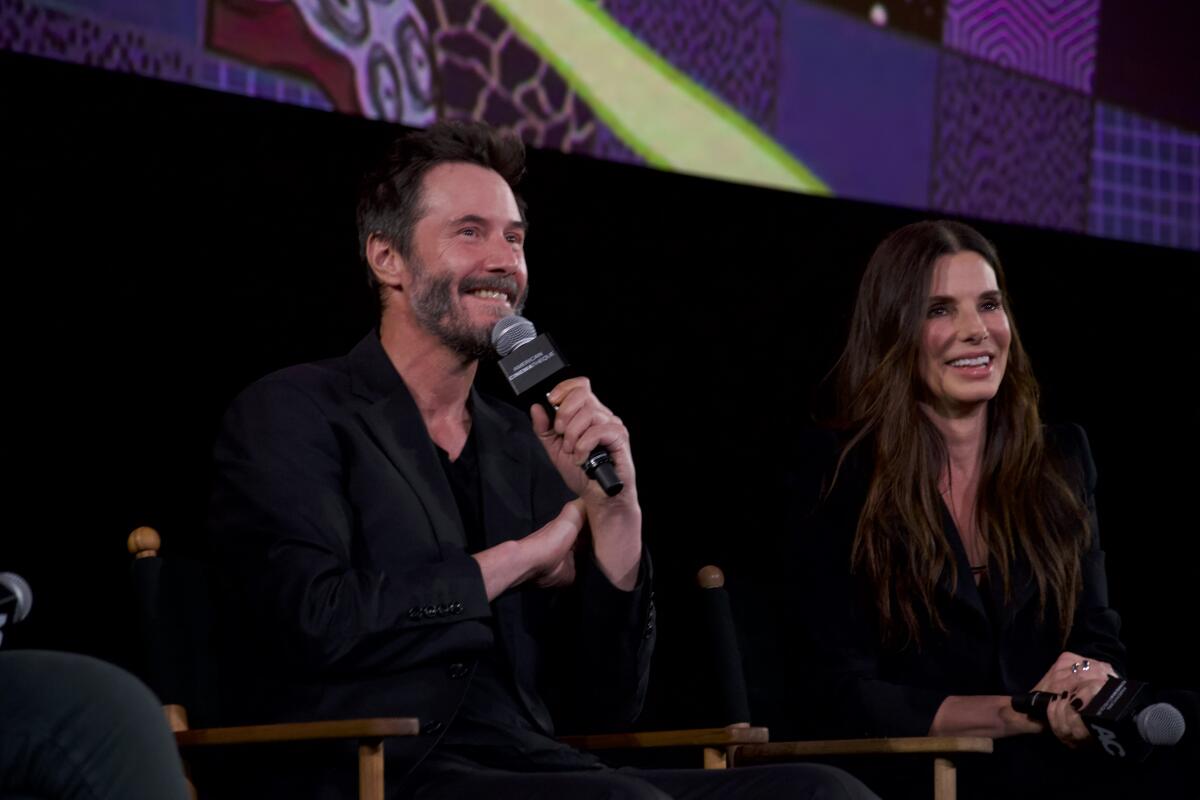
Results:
397 545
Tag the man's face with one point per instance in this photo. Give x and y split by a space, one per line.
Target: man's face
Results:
467 263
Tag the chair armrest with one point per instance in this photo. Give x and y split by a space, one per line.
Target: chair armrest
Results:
374 728
694 737
912 745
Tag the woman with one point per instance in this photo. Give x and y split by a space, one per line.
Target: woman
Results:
954 560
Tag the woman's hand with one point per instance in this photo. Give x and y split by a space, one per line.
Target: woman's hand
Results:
1075 680
1077 676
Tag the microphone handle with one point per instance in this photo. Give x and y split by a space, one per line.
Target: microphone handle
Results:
1033 704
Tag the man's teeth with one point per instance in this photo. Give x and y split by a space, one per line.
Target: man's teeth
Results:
490 294
978 361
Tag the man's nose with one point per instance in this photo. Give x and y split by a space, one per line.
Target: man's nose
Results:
503 256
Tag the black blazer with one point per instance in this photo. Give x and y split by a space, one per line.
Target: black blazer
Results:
346 585
863 688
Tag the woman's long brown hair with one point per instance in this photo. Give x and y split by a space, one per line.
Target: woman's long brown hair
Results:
1025 508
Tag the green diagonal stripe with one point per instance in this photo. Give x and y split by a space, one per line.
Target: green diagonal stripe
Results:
657 111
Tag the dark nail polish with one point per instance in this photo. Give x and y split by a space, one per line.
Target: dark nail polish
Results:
1077 704
1064 694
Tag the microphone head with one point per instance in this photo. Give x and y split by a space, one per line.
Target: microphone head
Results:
1160 724
18 587
511 332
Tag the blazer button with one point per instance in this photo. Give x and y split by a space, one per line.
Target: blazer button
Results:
443 610
429 612
431 727
414 613
457 671
456 608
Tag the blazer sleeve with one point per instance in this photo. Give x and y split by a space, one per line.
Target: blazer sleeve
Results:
281 523
616 632
606 635
1096 629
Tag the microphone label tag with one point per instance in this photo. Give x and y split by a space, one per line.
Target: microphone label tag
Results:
532 363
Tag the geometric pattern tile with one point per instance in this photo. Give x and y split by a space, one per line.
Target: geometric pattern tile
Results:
1145 180
730 47
1050 39
122 47
485 71
1009 148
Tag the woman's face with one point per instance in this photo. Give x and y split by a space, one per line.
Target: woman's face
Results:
965 336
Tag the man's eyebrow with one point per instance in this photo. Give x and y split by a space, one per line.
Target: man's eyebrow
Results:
518 224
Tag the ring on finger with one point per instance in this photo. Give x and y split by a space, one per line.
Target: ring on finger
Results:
1085 666
1075 668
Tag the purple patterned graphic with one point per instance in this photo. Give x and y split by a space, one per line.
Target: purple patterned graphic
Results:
1050 39
730 47
488 72
1009 148
122 47
1145 180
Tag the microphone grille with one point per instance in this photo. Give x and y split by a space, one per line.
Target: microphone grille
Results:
512 332
1160 724
20 591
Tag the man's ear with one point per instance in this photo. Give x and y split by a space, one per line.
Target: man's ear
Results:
385 261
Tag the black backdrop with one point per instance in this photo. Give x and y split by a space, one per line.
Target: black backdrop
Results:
164 245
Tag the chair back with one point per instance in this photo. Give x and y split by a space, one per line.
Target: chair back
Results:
728 699
175 618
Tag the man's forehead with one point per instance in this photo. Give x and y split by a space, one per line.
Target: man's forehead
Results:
459 189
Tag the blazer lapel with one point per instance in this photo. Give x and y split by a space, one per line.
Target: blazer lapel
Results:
396 426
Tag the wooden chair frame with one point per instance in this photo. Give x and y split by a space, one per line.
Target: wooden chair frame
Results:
735 745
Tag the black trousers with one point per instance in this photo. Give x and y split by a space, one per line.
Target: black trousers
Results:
76 727
777 782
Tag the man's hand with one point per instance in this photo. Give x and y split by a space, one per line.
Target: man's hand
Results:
581 424
552 547
546 556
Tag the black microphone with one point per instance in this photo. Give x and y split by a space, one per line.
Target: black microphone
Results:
533 365
1120 716
16 599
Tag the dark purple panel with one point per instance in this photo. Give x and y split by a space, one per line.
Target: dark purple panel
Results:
919 17
1149 59
1008 147
856 105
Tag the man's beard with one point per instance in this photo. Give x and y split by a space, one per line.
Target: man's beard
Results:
435 310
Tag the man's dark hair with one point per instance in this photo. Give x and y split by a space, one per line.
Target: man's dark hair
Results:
390 201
